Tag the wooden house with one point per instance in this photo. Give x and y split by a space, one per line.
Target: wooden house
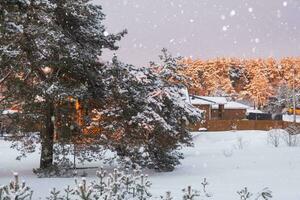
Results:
219 108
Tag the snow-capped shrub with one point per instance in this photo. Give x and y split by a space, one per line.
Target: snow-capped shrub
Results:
117 185
190 194
291 135
274 136
15 190
245 194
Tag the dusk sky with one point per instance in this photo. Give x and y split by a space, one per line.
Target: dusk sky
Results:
204 28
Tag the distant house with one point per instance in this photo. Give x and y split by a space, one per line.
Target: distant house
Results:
219 108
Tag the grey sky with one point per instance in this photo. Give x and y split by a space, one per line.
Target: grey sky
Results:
204 28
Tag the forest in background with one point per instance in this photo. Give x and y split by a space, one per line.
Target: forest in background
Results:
254 80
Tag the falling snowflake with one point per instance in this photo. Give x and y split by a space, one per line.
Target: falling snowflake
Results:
285 4
250 10
225 28
223 17
192 20
232 13
278 13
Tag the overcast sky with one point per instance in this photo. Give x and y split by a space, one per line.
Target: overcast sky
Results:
204 28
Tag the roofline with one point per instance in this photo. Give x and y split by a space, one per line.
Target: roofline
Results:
197 97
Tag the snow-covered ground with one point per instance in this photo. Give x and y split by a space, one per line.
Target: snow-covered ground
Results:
229 161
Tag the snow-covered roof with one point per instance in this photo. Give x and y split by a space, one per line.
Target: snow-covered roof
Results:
233 105
216 101
252 110
195 101
207 100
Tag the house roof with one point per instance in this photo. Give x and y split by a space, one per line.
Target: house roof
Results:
216 101
252 110
207 100
198 101
233 105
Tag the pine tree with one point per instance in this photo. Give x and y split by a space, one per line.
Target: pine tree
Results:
232 76
54 195
84 191
49 52
190 194
259 90
16 190
148 116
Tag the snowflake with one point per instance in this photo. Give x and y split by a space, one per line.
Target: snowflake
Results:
232 13
285 4
225 28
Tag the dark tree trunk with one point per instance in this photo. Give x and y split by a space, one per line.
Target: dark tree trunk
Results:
47 137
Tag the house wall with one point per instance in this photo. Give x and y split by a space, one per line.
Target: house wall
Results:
228 114
222 113
235 114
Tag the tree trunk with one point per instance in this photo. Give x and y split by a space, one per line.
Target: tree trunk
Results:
47 137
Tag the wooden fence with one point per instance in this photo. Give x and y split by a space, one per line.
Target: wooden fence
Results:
227 125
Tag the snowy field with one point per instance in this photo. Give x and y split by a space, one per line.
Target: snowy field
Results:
229 161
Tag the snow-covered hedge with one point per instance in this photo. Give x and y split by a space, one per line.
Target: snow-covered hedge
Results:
117 185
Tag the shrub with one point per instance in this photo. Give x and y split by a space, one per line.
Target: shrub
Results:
117 185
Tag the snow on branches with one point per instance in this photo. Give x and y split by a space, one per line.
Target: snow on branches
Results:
15 190
149 111
117 185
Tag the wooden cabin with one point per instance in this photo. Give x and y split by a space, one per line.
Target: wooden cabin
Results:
219 108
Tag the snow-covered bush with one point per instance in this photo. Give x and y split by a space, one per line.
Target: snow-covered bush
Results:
190 194
291 140
245 194
15 190
274 136
291 135
117 185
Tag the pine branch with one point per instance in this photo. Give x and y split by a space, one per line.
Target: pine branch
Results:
5 77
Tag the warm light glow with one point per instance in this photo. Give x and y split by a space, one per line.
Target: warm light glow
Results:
47 70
